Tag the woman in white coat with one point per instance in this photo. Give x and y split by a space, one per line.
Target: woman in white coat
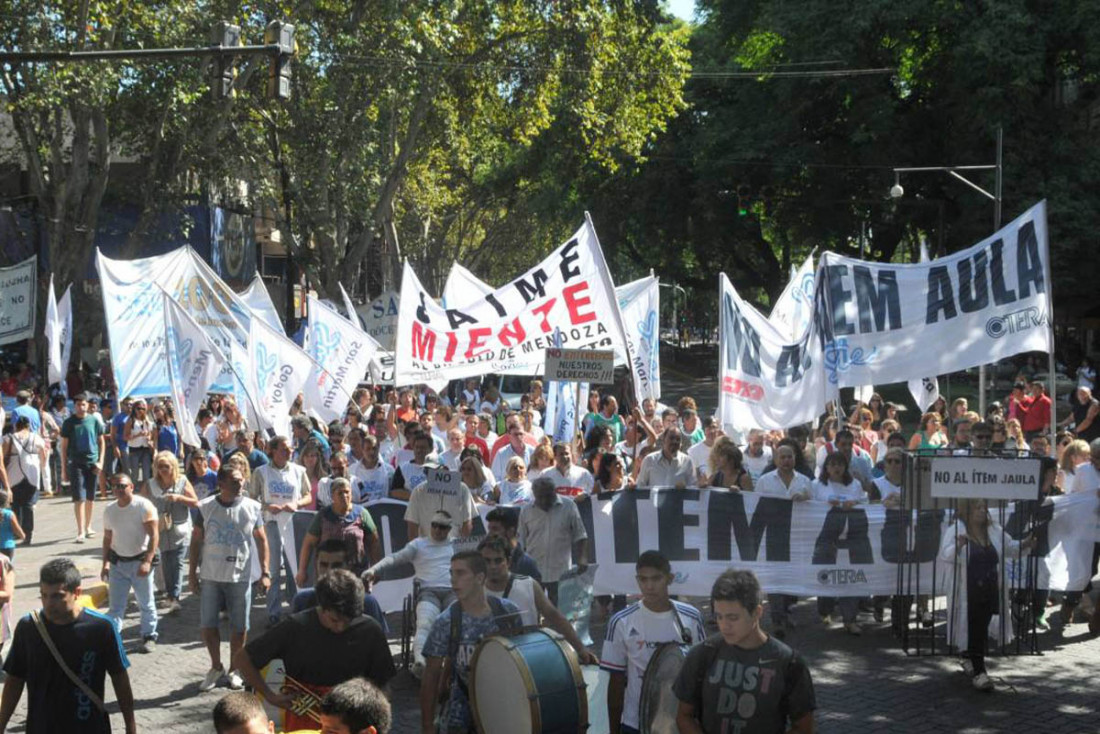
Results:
977 590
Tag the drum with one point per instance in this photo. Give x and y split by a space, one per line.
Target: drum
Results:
527 684
657 712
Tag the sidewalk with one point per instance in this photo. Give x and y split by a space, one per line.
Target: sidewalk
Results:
864 684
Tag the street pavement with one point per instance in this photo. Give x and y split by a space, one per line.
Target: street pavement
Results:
863 684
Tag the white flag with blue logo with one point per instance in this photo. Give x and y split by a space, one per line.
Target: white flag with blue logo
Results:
194 363
277 370
342 353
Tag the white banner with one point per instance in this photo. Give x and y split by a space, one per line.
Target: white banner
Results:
277 371
135 316
59 334
380 318
984 477
194 363
794 308
18 288
765 380
344 351
640 303
571 289
890 323
259 302
925 391
798 548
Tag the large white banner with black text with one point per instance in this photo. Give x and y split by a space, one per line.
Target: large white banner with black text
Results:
571 290
798 548
18 288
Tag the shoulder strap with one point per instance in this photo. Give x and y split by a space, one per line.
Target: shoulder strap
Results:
509 622
711 645
508 586
84 688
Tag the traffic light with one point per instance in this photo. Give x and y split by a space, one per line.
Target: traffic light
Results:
278 80
225 35
743 193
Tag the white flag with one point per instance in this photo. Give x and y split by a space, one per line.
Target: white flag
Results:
353 315
59 334
794 307
341 353
194 363
277 371
259 302
925 391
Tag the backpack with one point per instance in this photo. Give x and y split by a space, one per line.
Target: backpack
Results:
352 533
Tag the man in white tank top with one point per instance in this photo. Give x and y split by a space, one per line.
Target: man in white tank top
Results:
527 594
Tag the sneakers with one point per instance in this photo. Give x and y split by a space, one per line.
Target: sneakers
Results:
417 668
211 679
235 681
79 539
172 607
853 628
89 533
148 645
983 683
1041 623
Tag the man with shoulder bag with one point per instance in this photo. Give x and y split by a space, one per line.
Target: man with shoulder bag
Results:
49 646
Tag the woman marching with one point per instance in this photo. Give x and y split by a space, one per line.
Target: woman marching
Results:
976 590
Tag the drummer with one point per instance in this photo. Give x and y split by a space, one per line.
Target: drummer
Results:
743 680
634 633
478 616
527 594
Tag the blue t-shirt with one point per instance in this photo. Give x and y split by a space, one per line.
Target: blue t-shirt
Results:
32 416
472 631
118 424
91 647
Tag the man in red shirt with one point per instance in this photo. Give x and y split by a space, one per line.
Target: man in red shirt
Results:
1036 414
472 439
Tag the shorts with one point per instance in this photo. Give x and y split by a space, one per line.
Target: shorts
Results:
234 596
83 479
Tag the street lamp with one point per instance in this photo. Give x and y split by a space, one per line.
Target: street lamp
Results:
896 192
675 323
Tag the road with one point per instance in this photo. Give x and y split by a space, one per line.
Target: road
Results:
864 684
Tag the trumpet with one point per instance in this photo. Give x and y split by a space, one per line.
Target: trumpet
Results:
306 702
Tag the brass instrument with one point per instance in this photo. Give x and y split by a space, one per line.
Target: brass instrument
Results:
306 702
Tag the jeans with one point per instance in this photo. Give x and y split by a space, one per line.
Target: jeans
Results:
275 549
429 605
22 504
123 577
173 561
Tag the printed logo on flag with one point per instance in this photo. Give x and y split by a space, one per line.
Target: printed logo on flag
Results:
743 390
1015 322
841 577
265 368
838 358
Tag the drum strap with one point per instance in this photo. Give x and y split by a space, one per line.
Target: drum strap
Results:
508 586
685 636
509 623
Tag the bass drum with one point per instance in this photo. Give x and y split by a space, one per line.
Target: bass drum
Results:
657 712
527 684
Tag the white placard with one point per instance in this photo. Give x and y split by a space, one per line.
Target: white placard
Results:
581 365
18 287
984 478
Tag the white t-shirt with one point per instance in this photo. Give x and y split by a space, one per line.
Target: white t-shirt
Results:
274 486
1085 478
771 484
431 561
141 434
426 500
829 491
755 465
576 481
522 594
886 488
450 459
227 538
413 475
632 636
22 455
127 525
373 484
515 493
700 457
210 433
